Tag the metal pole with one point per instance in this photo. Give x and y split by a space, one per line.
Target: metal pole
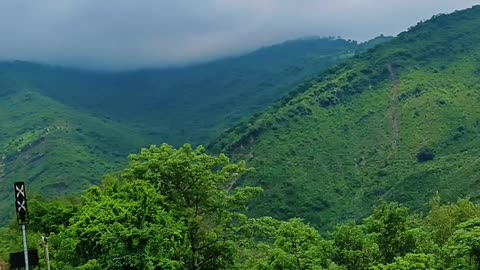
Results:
47 257
25 248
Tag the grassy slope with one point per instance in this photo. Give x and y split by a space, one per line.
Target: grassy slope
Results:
53 148
327 152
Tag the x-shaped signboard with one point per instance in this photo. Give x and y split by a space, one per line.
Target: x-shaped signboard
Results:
21 203
21 206
20 190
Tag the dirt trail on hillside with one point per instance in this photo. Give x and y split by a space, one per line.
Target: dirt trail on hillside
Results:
394 112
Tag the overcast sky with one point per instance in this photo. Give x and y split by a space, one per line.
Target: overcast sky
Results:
121 34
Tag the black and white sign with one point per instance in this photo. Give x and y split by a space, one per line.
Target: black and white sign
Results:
21 203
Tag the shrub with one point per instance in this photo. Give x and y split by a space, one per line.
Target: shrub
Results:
425 154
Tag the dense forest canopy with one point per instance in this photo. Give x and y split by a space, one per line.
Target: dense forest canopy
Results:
177 209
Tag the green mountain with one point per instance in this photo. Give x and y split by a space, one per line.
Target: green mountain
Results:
190 104
62 129
52 147
399 122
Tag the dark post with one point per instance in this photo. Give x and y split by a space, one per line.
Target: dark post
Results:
22 215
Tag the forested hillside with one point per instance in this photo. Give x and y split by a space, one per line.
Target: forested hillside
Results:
190 104
53 148
62 129
399 122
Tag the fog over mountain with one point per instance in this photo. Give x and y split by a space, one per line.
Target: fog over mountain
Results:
121 34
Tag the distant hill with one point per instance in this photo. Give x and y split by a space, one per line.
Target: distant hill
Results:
52 147
399 122
191 104
62 129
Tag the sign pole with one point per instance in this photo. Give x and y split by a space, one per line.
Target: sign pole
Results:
22 214
47 257
25 248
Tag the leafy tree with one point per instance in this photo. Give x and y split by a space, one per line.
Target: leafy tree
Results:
121 226
411 262
51 215
443 219
352 248
286 245
463 248
254 242
299 246
169 209
389 225
198 189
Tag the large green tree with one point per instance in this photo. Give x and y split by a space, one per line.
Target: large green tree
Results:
389 225
411 262
121 226
353 248
463 247
169 209
280 245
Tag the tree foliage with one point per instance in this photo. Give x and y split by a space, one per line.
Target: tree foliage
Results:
181 209
169 209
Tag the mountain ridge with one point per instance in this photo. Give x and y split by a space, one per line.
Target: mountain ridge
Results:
354 135
62 130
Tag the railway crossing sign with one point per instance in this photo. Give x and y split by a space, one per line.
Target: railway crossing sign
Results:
21 203
22 217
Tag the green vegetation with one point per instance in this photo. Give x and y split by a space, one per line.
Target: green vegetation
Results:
396 125
338 144
53 148
61 128
177 209
189 104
